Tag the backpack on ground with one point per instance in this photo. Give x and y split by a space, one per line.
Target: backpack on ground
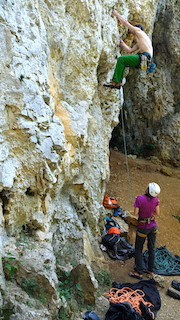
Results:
109 224
110 202
117 247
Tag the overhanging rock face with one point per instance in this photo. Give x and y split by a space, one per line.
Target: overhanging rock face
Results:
56 120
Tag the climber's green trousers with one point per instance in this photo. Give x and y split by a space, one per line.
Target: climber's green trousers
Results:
122 62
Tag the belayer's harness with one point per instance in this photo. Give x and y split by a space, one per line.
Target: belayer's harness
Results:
146 220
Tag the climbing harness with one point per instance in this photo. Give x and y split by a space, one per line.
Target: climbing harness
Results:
128 295
146 63
125 151
146 220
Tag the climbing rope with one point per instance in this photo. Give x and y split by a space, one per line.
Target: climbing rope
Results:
125 151
127 295
165 261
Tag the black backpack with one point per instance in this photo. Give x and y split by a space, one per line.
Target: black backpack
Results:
117 247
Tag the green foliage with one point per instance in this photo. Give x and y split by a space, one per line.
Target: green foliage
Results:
29 286
9 266
33 291
21 77
11 269
150 146
29 303
65 286
137 150
73 292
103 277
42 299
177 217
24 240
5 313
73 263
25 231
79 289
63 315
144 150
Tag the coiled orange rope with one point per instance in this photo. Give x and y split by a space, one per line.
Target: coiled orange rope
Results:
126 294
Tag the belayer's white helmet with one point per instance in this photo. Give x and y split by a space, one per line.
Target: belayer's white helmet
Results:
154 189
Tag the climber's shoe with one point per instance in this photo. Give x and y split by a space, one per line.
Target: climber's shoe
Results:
148 272
112 85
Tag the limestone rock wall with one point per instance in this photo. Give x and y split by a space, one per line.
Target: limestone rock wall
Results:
56 121
152 105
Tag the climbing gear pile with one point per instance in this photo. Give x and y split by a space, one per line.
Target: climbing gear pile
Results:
111 234
117 247
127 295
142 295
110 202
109 223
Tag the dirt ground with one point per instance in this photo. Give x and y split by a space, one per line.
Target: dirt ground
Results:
125 184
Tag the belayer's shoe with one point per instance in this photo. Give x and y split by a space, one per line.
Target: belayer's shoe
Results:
148 272
176 285
135 275
173 293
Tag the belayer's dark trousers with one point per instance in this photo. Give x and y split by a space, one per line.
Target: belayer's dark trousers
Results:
141 236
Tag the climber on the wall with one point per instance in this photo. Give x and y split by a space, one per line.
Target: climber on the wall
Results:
143 45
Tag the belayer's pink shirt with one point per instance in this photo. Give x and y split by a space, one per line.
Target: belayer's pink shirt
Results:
146 207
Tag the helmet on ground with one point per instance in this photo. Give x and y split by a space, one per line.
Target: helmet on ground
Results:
115 230
154 189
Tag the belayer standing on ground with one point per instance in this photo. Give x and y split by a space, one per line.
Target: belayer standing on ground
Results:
146 207
143 45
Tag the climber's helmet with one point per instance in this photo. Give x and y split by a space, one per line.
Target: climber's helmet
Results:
154 189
